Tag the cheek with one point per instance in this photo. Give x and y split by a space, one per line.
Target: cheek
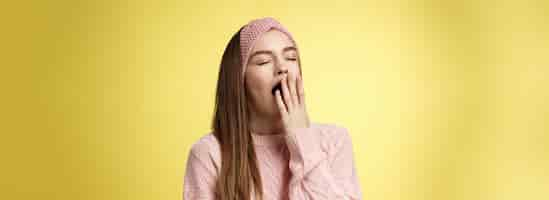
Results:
294 68
257 83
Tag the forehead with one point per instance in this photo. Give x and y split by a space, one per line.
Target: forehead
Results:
272 40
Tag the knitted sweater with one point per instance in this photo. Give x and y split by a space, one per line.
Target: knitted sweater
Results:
314 163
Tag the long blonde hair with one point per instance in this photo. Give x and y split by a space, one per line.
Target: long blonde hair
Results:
239 169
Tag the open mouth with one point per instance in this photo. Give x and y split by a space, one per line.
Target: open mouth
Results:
278 87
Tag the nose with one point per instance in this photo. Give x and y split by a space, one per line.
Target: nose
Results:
281 72
281 69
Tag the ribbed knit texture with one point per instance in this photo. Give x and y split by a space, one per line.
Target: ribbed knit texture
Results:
310 163
253 30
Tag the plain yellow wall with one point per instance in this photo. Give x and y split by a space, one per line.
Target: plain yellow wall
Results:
443 99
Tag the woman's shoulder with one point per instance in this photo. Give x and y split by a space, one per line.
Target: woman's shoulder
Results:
332 134
207 149
330 130
328 126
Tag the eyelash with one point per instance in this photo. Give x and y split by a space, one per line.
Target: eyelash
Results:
263 63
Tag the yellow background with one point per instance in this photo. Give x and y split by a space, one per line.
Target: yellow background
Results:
443 99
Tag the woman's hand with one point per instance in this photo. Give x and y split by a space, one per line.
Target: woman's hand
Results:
292 104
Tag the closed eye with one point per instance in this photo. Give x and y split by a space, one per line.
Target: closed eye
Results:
263 63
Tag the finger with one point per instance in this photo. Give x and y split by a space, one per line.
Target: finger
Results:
300 90
286 94
280 103
293 89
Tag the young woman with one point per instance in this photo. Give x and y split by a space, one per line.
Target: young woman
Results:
263 145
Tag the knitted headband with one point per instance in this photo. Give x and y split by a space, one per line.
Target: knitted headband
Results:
252 31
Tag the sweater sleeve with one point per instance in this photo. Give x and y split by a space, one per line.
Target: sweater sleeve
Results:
200 175
322 164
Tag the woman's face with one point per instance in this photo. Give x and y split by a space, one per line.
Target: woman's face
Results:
272 56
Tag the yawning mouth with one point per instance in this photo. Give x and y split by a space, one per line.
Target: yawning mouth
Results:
278 87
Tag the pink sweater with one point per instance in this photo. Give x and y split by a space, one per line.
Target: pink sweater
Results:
315 163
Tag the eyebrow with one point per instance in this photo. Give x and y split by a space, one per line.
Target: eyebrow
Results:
290 48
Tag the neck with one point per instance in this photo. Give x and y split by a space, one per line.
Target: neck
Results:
265 125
